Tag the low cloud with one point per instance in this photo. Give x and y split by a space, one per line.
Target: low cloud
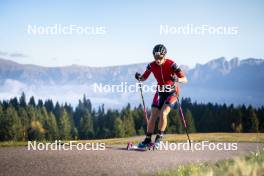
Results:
65 93
3 53
16 54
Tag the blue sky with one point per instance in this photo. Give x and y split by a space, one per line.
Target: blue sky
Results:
132 29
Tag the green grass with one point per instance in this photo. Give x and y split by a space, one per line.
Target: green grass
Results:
251 165
212 137
13 143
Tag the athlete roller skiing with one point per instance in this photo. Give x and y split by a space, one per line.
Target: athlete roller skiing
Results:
168 74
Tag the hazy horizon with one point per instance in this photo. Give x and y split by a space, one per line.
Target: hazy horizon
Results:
55 66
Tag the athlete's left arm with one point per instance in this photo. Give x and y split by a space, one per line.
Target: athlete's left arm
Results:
180 74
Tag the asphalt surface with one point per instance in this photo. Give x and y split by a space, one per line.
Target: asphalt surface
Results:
114 160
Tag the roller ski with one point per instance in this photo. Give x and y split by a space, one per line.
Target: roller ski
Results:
142 146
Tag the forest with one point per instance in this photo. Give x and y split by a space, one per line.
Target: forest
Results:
22 120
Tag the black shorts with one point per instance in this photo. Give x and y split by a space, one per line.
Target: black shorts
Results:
161 98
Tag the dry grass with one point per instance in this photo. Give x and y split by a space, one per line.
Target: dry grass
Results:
252 165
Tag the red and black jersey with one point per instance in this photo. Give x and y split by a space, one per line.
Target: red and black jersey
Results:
163 73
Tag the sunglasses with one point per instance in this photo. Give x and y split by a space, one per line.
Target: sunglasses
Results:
158 57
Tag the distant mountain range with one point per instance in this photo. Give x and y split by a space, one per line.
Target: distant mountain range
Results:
235 81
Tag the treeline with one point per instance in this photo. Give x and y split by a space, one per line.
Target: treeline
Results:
30 120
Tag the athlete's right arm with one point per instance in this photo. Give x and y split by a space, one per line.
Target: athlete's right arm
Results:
145 74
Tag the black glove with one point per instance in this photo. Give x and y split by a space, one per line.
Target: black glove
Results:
138 76
175 79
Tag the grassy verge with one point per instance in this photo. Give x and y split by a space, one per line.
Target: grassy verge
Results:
252 164
212 137
13 143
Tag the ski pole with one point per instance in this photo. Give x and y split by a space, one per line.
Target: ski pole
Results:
144 106
183 120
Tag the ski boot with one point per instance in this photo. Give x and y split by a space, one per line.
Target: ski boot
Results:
146 144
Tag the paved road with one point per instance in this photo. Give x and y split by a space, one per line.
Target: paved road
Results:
115 160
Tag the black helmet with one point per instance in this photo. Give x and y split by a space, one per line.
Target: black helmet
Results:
159 50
